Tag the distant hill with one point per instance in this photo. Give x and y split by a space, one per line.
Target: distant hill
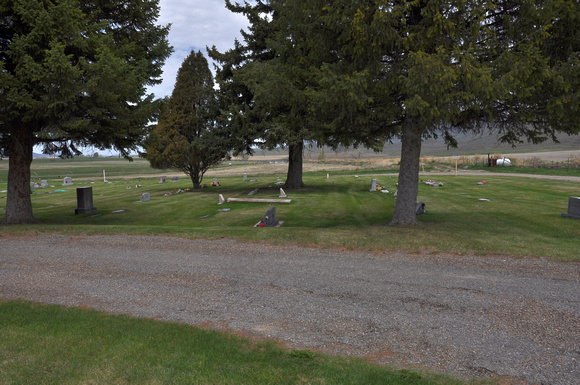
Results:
467 145
37 155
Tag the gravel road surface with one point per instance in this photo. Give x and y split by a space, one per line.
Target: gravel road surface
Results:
466 316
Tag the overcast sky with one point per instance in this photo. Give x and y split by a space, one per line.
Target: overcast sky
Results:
195 25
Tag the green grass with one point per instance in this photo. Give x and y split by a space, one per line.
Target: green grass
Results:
521 219
52 345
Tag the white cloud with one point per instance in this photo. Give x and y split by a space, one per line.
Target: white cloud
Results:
195 25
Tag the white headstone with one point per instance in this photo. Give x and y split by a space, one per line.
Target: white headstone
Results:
43 183
373 185
282 194
162 179
145 197
245 177
222 200
67 181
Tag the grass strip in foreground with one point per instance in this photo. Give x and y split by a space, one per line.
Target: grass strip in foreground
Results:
42 344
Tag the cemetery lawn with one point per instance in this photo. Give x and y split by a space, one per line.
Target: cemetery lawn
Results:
42 344
508 216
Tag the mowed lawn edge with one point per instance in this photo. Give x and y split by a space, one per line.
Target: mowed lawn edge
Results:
49 344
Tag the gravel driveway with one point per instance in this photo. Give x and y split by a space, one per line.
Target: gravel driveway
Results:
467 316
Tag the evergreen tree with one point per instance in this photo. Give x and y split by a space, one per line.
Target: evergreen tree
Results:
73 74
433 68
187 137
263 85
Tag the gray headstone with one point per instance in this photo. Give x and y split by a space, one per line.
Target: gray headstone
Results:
162 179
269 219
245 177
573 208
253 192
420 209
175 179
43 183
282 194
145 197
67 181
373 185
85 201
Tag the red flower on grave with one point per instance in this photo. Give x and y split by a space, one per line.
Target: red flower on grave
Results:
262 224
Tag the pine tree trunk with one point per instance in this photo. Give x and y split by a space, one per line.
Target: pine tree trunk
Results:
408 189
294 176
18 202
195 180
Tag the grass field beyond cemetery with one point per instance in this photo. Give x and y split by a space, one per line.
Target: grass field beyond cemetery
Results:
519 217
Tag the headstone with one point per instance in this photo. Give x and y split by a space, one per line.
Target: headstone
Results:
282 194
373 185
222 200
573 208
85 201
253 192
245 177
145 197
420 208
43 183
269 219
67 181
162 179
175 179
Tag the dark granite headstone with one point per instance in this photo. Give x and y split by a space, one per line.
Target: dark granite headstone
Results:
85 201
573 208
269 219
420 210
